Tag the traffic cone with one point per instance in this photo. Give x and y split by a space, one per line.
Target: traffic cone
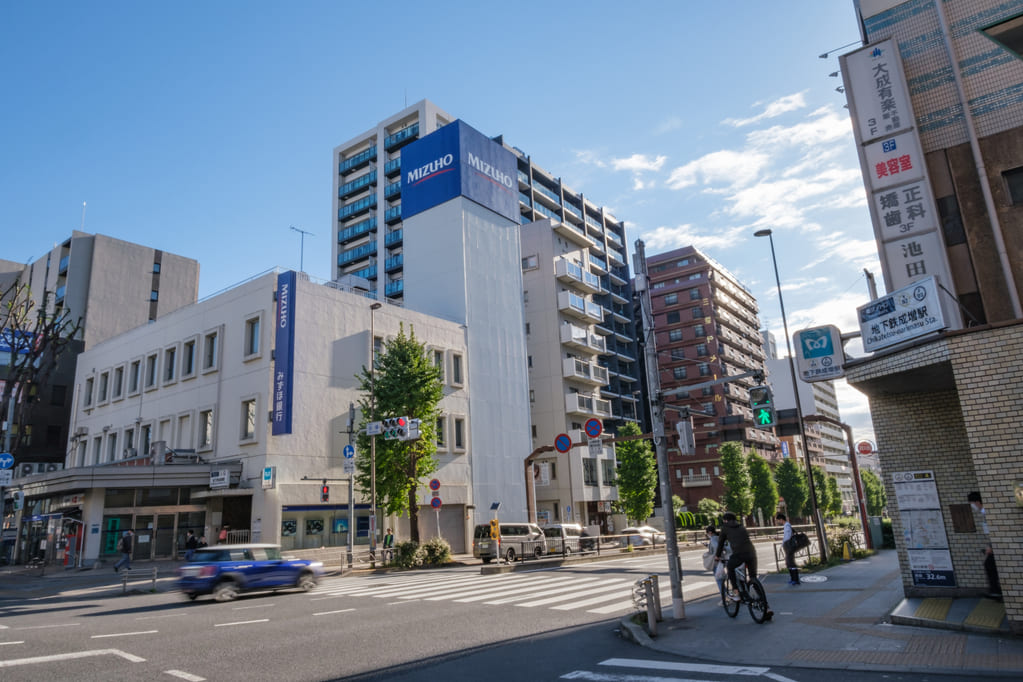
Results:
846 556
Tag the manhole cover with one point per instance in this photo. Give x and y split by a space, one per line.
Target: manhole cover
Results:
813 578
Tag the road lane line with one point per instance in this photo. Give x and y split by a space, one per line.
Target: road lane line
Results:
327 613
241 622
168 615
647 664
256 606
616 595
605 586
43 627
126 634
70 656
9 643
185 676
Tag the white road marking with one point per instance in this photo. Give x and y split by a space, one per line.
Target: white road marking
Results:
71 656
126 634
185 676
241 622
9 643
616 594
257 606
327 613
168 615
43 627
604 677
646 664
606 586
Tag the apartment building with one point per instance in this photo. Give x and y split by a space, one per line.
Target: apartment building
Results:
706 328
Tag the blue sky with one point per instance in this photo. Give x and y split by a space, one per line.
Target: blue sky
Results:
206 129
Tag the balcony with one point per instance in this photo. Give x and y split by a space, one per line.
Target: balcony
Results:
394 237
365 273
577 306
357 185
357 161
393 263
394 288
577 337
361 206
577 403
357 253
393 215
62 268
58 297
616 278
567 271
401 138
569 231
357 230
599 264
392 167
696 481
615 258
392 190
586 372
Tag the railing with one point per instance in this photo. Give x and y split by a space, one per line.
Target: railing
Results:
646 595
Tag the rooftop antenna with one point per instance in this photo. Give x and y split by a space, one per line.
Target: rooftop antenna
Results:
301 257
82 226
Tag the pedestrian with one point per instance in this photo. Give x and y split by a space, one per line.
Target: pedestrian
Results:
790 550
124 547
222 537
388 545
191 544
202 542
709 562
994 586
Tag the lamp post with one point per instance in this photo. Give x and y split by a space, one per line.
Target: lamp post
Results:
373 439
817 523
860 501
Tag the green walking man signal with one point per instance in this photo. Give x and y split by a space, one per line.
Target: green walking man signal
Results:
762 402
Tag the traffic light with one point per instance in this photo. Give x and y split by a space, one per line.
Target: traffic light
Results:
762 402
395 428
325 492
686 439
495 529
413 429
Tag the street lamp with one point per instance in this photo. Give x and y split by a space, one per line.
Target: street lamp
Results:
373 439
818 525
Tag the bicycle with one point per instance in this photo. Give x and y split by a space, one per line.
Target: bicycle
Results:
751 593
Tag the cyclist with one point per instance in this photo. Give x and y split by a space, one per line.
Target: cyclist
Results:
743 552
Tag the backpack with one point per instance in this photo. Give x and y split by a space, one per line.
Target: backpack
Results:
799 541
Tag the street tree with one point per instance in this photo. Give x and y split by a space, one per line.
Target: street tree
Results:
873 490
738 495
792 487
637 474
404 382
835 495
709 507
765 490
820 484
34 336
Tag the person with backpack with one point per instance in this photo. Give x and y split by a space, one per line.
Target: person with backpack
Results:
788 543
124 547
191 544
743 552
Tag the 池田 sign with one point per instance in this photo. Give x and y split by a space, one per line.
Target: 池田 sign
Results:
458 160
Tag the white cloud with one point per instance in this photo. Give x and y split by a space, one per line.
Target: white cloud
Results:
773 109
668 238
725 167
639 162
825 125
590 158
667 125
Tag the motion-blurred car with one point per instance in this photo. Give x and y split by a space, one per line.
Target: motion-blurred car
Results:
639 536
225 571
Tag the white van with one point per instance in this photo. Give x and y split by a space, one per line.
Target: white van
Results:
516 540
567 538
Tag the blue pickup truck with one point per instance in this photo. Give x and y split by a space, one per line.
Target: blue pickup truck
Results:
225 571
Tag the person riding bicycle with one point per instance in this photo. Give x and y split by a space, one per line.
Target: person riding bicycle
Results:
743 552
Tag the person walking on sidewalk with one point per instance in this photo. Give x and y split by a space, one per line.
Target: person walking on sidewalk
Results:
191 544
124 547
994 585
743 551
790 550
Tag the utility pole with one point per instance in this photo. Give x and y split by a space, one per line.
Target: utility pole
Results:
657 428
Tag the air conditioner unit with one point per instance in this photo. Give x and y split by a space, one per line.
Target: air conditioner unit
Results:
82 431
130 452
52 466
28 469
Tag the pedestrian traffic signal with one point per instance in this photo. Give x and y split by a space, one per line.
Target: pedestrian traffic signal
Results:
413 429
325 492
762 402
686 439
395 428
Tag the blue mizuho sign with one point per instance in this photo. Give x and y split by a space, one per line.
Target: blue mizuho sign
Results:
284 354
458 160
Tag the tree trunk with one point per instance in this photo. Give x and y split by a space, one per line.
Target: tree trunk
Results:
413 515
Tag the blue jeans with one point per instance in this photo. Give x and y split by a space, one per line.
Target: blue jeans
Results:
125 561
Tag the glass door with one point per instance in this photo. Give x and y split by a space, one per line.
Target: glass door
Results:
144 530
166 543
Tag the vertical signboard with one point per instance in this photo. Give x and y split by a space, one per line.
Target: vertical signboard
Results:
894 170
923 529
819 353
284 354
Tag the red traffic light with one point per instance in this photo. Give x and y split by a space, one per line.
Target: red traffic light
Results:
325 494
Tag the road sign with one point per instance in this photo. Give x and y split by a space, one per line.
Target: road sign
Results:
593 428
435 503
596 446
434 484
5 477
374 428
562 443
268 477
819 353
348 452
6 460
864 447
903 315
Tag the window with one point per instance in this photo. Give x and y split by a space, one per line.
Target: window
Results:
459 433
696 275
530 263
188 358
674 317
674 335
678 354
438 362
205 429
1014 182
104 385
154 295
170 365
58 395
701 350
670 299
97 450
248 425
697 312
679 372
129 441
87 400
439 439
708 408
704 369
608 472
456 369
251 337
118 388
134 376
151 371
112 446
209 352
146 439
1008 33
156 268
590 471
699 330
694 294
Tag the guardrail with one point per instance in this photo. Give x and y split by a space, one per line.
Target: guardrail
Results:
132 574
646 595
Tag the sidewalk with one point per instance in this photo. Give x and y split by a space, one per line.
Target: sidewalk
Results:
840 618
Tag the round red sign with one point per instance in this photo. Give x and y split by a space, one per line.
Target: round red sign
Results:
864 447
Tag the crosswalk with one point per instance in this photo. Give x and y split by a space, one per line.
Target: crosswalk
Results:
602 595
633 669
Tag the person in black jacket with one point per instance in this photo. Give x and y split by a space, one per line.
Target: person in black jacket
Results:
743 552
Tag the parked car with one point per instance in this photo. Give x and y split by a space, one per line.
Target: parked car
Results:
516 540
225 571
642 535
570 536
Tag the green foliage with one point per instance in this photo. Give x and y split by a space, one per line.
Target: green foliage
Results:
710 507
738 495
436 551
407 554
873 491
792 487
405 383
835 495
685 520
637 475
887 534
820 484
765 490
